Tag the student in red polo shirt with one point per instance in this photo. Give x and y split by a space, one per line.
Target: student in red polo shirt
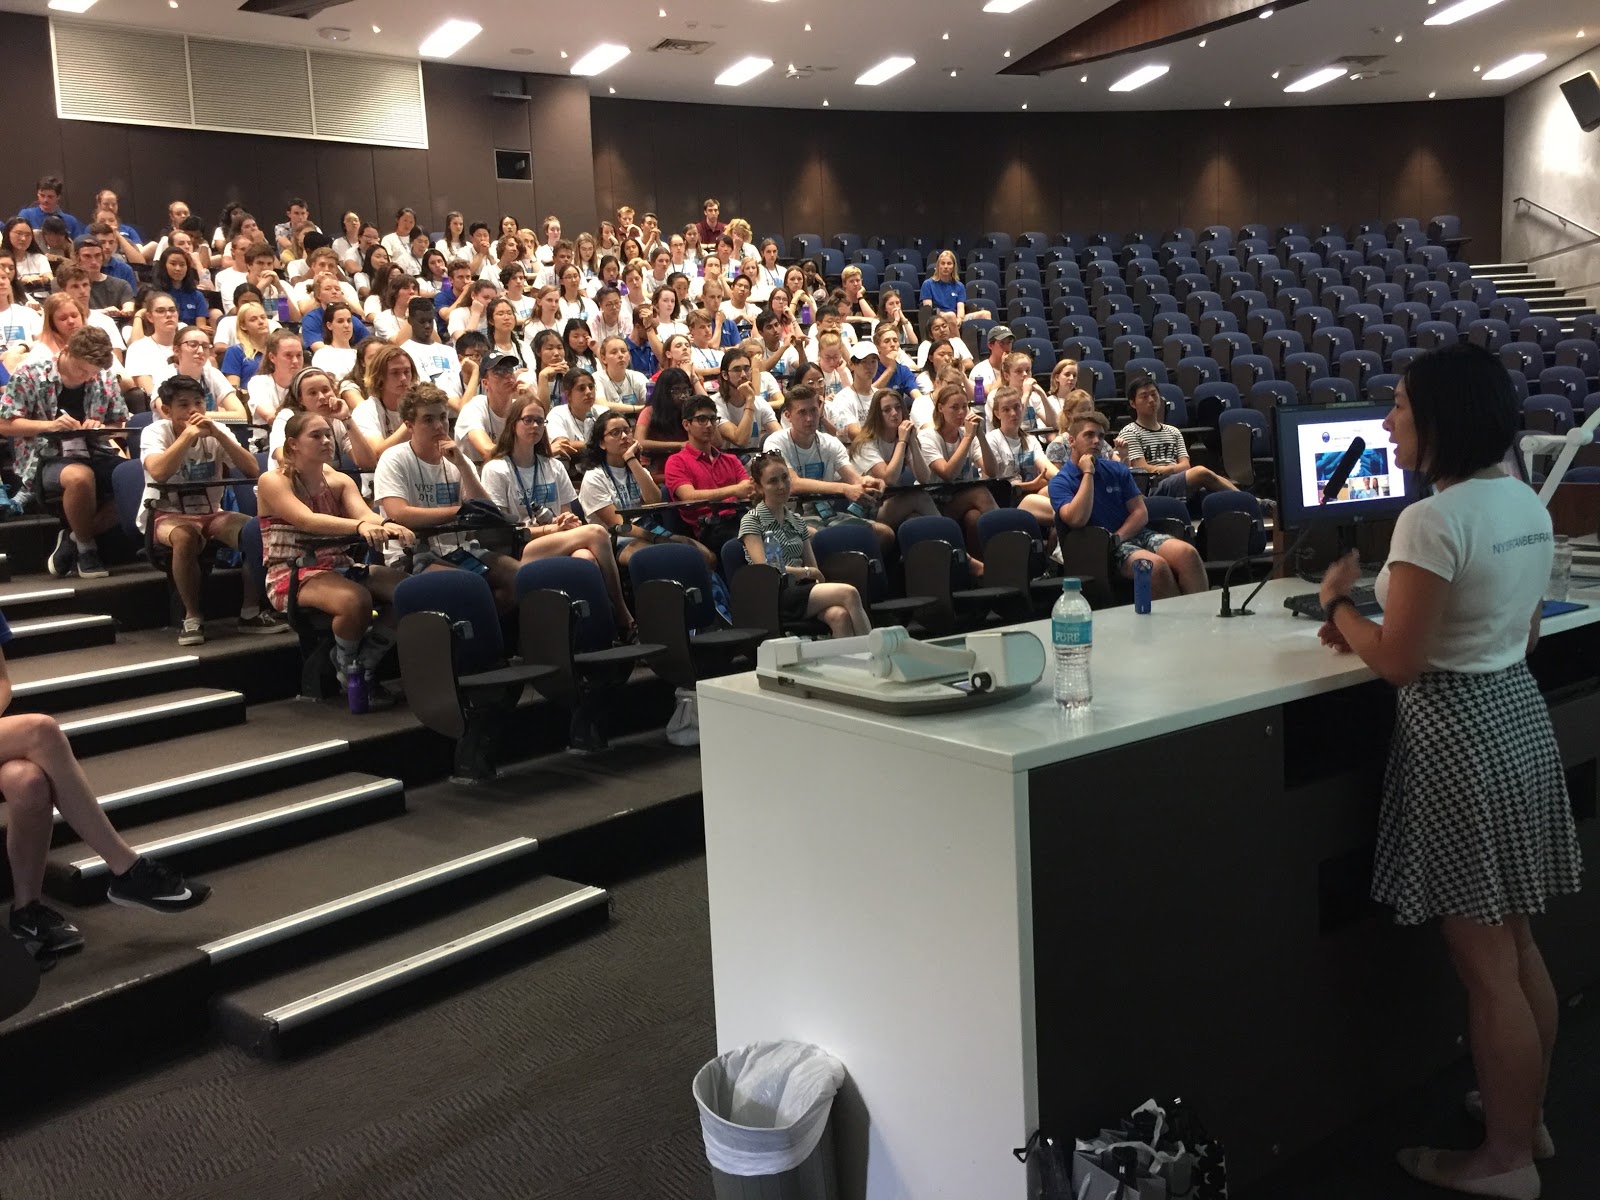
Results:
701 472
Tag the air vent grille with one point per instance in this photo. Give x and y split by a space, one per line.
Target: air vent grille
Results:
679 46
171 81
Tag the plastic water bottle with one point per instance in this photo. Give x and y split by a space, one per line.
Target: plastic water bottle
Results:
1072 632
355 689
774 550
1142 571
1560 569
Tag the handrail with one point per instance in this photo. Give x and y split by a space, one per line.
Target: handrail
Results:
1565 220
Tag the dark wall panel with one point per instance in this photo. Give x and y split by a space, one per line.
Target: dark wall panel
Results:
30 136
563 156
344 180
1061 171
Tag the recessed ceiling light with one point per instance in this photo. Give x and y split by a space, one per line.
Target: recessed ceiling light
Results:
1514 66
1431 95
1264 13
1139 78
71 6
945 36
1317 78
612 91
1580 33
662 13
1475 70
447 39
563 54
1399 37
1024 105
887 69
1083 79
1003 6
1227 104
1007 54
172 3
1275 74
1460 12
952 74
743 71
602 57
808 30
1202 43
376 29
824 104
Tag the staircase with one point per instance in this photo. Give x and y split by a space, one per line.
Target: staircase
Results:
1545 297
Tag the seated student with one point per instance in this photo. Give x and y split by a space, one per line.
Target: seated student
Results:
436 362
175 274
956 452
549 367
575 341
705 356
187 446
1020 459
353 383
848 407
621 389
501 320
805 592
376 424
107 293
38 774
18 322
326 293
766 385
988 372
569 425
312 390
1038 407
943 325
1064 381
712 479
1095 490
474 315
834 379
1147 444
423 481
941 357
778 357
535 491
943 292
1060 449
617 479
281 361
827 487
472 349
483 418
392 320
340 334
888 449
659 430
74 281
892 372
191 356
744 418
856 308
74 390
228 327
305 498
152 353
613 318
243 358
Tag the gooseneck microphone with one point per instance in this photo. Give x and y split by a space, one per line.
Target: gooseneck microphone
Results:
1330 491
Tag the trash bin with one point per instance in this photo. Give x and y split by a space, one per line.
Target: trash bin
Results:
764 1113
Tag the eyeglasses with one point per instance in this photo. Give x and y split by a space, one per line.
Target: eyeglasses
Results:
530 421
618 431
701 419
164 312
192 344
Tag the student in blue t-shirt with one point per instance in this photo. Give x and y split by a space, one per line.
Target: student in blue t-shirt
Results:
892 373
1112 501
175 275
943 292
38 773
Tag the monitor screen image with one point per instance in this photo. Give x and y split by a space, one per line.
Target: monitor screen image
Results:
1312 439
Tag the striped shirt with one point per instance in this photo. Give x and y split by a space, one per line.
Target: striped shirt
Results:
789 529
1159 447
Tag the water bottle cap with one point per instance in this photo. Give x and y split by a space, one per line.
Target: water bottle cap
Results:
1072 584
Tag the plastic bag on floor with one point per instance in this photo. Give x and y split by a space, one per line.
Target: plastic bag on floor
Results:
763 1107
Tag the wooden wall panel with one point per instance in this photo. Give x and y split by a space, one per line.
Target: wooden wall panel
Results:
30 135
344 179
94 152
562 143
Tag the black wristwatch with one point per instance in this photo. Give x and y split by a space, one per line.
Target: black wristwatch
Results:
1330 609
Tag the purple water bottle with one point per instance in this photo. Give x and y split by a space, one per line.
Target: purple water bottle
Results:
1142 570
355 689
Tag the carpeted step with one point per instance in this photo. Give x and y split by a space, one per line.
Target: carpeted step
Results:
116 725
56 683
314 1001
230 832
46 635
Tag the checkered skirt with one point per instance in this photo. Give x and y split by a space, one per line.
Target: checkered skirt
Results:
1476 821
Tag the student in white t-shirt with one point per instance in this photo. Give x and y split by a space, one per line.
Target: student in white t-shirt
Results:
436 363
888 449
828 488
187 446
569 424
1020 459
192 357
956 452
152 353
621 389
943 326
847 408
312 390
744 419
484 416
534 490
280 362
18 322
421 483
618 480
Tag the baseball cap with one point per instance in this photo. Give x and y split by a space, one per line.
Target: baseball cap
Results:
1001 333
502 362
863 350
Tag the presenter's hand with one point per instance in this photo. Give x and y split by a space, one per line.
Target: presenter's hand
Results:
1340 577
1330 636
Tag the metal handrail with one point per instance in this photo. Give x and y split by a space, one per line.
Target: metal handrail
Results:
1565 220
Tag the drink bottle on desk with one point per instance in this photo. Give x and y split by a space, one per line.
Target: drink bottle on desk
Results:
1560 570
1142 570
1072 633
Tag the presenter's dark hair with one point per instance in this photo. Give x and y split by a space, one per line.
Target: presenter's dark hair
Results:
1464 409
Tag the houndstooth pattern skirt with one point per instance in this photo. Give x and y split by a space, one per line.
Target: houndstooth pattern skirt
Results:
1476 821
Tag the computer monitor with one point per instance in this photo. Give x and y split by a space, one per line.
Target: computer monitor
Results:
1312 438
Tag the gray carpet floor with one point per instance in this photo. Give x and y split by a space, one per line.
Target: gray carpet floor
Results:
569 1078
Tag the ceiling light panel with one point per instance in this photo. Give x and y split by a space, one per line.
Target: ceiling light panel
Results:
601 58
1460 11
449 38
71 6
887 69
743 71
1137 79
1514 66
1004 6
1317 78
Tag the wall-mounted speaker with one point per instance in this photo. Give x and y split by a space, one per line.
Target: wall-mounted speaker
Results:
1583 93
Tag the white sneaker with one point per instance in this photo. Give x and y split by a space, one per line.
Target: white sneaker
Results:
192 632
684 727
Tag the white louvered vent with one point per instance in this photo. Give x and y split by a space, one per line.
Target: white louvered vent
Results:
172 81
148 85
360 98
238 85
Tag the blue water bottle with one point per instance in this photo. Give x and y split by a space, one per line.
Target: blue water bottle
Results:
1142 569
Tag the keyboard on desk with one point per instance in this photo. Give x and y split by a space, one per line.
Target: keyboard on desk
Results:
1308 605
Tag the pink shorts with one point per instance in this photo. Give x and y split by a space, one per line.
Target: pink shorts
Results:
208 524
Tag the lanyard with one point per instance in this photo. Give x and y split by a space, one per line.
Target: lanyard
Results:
527 496
423 481
623 496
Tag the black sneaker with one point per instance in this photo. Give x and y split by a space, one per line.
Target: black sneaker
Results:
64 557
148 884
89 564
44 931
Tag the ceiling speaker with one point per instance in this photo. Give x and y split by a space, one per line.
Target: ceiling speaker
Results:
1583 93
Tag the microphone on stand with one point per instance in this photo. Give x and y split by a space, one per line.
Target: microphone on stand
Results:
1330 491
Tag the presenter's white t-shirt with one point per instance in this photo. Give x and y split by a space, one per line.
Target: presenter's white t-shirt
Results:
1490 539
